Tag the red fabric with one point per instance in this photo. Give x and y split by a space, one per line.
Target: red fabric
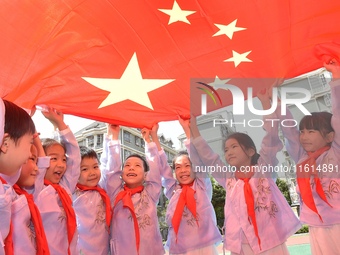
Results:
105 198
9 249
187 199
125 197
303 181
50 45
249 197
326 51
69 211
42 245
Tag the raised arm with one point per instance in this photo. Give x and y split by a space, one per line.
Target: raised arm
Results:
111 139
168 181
271 143
333 66
66 136
153 177
43 163
205 155
202 177
111 170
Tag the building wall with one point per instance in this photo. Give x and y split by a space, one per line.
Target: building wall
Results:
130 138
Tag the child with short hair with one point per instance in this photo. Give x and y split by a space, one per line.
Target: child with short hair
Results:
315 147
61 177
16 137
190 215
258 219
134 191
92 205
28 230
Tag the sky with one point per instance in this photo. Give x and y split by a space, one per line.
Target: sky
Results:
170 129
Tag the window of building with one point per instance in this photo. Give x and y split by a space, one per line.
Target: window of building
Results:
142 143
127 153
100 140
90 141
323 80
137 140
127 136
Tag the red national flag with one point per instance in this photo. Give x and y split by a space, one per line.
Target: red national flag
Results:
132 62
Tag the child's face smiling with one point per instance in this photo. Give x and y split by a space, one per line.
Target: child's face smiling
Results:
183 172
312 140
235 155
15 154
89 172
57 163
133 172
29 170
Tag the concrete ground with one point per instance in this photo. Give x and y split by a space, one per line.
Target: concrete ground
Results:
297 245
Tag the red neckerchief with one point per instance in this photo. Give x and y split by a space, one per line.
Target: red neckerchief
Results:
186 198
42 245
249 197
304 182
125 196
105 198
66 201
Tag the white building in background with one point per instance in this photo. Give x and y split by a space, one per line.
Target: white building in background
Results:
130 138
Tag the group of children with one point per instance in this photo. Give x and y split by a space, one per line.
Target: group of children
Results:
59 198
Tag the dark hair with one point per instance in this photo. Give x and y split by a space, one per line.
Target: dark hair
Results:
48 142
86 152
145 163
179 154
320 121
246 143
17 121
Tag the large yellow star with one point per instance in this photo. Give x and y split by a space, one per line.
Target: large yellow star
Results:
238 58
228 30
219 84
177 14
131 86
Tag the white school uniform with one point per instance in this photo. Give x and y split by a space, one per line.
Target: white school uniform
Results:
49 204
328 170
275 219
145 204
193 237
24 241
6 197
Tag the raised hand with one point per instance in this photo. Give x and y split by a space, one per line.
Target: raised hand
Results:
56 117
333 66
113 131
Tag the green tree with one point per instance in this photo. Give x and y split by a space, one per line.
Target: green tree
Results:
218 201
283 187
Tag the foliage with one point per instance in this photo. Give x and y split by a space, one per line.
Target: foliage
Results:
161 213
304 229
283 187
218 200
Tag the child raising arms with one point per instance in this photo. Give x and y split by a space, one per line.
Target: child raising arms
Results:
258 219
316 150
91 204
54 200
190 214
134 191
